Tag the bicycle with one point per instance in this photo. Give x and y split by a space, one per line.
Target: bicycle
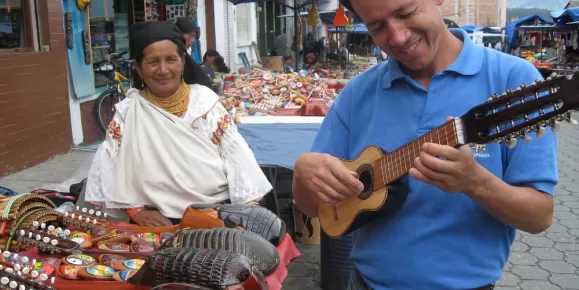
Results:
116 92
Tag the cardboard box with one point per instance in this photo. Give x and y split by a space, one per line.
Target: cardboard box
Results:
275 63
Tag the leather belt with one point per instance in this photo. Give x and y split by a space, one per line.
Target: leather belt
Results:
360 281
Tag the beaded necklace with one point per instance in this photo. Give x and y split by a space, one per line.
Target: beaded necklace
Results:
176 104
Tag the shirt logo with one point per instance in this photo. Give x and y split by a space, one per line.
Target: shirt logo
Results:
479 150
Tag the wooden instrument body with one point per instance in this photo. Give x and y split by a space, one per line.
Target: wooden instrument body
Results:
337 220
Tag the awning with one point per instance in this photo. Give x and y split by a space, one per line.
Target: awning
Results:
563 17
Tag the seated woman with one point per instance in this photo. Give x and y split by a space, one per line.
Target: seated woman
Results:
171 143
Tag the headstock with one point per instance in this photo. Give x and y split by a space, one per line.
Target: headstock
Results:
20 276
46 242
85 218
515 114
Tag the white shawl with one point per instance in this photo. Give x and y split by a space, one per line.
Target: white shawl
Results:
166 163
156 161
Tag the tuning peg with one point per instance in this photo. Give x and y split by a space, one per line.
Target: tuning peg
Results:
77 208
54 242
525 137
569 118
35 224
13 285
512 142
21 287
51 228
26 270
555 126
46 240
4 280
91 212
34 274
84 210
43 226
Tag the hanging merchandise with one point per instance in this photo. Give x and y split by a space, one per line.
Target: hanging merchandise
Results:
172 12
340 19
313 16
82 4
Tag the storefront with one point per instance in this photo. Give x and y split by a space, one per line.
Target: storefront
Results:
33 84
107 23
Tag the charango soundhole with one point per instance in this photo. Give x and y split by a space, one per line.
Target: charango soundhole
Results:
366 176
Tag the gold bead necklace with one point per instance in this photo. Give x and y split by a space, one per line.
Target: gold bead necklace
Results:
176 104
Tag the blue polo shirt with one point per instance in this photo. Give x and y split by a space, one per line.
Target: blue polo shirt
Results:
436 240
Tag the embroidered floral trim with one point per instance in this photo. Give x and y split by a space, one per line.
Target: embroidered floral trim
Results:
222 126
115 131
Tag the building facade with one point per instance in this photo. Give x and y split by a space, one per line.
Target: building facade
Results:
34 106
491 13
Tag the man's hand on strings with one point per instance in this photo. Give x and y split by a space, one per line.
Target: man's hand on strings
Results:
450 169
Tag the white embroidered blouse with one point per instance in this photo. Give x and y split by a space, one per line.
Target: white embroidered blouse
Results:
208 117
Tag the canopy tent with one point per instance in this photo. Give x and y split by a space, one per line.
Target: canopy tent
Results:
486 29
567 16
527 20
358 28
326 17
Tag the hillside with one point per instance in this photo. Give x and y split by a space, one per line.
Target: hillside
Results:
542 4
522 12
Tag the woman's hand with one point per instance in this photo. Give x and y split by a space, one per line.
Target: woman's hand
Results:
151 218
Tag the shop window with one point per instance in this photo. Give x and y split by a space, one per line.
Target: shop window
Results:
23 26
109 24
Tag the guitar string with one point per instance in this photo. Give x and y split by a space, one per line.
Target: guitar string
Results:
398 158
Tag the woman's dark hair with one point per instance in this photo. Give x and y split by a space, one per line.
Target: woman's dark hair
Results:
137 80
209 53
287 57
220 65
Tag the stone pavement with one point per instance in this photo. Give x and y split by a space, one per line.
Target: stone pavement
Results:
546 261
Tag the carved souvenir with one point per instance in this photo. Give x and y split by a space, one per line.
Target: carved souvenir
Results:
80 260
68 29
215 269
132 264
149 237
86 47
262 253
115 247
141 246
124 275
253 218
110 259
97 272
69 272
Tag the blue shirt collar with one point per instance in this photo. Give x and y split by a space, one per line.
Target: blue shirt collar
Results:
469 61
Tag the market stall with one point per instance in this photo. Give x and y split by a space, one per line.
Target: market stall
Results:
551 48
213 246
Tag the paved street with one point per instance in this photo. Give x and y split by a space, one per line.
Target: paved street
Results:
538 262
548 261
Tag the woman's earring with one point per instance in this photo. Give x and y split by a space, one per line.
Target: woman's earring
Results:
182 79
142 83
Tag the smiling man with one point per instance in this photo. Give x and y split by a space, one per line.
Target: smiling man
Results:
457 225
